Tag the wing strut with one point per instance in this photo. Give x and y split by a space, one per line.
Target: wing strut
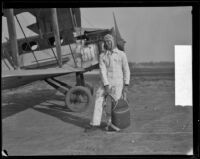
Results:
74 25
5 61
8 57
72 55
52 51
72 18
57 35
13 37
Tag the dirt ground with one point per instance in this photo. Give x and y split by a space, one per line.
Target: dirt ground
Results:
36 122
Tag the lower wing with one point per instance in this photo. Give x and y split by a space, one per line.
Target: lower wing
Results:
16 78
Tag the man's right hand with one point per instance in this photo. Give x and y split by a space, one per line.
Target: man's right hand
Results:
106 90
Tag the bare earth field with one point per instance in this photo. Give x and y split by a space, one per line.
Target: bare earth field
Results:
36 122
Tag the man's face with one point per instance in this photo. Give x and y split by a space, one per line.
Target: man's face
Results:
108 44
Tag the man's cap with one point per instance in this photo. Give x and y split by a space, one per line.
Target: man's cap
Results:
108 37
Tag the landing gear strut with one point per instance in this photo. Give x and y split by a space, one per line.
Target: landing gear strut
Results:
77 98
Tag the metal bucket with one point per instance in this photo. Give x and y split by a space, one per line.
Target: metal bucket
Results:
120 114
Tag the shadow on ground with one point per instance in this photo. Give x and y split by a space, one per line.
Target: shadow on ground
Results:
41 100
64 115
17 102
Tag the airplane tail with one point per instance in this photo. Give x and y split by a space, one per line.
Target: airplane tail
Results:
119 41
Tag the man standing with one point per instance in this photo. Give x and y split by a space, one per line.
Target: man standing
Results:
115 78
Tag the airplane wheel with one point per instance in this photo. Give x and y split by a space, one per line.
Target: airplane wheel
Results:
78 99
87 85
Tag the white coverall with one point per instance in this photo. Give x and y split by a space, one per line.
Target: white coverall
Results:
115 72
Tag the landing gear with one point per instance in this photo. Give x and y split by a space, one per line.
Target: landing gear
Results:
78 99
89 87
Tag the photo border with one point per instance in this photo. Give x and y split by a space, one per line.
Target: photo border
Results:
195 54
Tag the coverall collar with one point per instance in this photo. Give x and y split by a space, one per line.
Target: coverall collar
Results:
113 51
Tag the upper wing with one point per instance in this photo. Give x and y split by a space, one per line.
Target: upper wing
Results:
68 18
16 78
43 19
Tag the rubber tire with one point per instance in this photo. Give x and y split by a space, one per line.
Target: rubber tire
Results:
87 85
86 91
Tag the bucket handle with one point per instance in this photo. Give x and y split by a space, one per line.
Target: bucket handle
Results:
123 96
115 102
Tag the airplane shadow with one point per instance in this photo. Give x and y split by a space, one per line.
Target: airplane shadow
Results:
17 102
42 101
63 114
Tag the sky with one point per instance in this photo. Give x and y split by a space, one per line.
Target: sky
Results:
151 33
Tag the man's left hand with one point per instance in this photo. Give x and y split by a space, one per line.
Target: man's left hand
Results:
124 92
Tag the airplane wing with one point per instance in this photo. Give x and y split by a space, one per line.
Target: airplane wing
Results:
43 18
15 78
68 18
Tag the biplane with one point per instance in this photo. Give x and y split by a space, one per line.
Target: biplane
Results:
55 29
